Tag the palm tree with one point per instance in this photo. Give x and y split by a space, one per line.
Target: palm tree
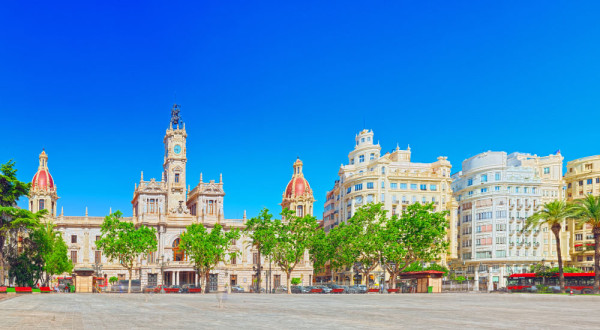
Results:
588 212
553 214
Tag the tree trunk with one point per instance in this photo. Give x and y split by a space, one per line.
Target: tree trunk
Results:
207 278
561 274
596 232
258 275
129 288
288 274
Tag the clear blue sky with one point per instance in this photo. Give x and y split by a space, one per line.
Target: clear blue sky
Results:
263 82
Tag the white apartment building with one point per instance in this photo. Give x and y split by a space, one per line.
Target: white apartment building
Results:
391 179
496 193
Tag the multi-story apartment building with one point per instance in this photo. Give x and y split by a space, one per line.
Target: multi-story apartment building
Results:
391 179
582 178
496 193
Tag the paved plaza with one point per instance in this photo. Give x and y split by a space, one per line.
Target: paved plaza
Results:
251 311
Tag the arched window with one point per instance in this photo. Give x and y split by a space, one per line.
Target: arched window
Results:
299 211
178 254
41 205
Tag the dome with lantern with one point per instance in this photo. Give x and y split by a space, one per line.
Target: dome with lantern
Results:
42 180
298 185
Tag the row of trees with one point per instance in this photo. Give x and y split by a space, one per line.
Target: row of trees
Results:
29 247
585 212
368 240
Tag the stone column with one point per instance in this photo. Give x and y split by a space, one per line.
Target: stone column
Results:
476 282
502 279
177 278
195 278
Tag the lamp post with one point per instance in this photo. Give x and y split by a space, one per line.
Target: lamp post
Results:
162 273
257 270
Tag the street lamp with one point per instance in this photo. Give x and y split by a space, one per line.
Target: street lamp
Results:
257 270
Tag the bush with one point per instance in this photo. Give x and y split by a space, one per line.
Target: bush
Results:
296 280
113 279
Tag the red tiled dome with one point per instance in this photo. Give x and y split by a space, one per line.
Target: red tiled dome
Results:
297 187
42 180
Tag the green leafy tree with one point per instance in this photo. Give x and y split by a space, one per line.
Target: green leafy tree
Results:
13 221
296 280
292 239
363 237
338 251
113 279
206 249
418 235
122 242
587 211
321 250
553 214
56 259
260 231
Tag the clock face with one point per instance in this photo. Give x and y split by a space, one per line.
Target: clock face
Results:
177 149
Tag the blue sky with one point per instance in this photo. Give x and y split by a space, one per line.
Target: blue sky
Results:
261 83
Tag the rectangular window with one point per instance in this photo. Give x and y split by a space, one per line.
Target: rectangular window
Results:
382 198
97 237
74 256
358 187
433 187
372 156
484 178
176 177
498 177
483 190
501 254
597 180
470 182
393 185
349 190
255 258
382 184
424 200
369 198
423 187
73 238
97 257
41 205
569 185
413 186
546 170
233 260
370 185
497 188
361 158
589 181
403 186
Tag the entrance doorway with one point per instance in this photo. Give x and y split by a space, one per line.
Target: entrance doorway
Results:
233 280
213 282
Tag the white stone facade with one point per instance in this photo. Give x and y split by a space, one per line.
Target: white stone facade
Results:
168 207
496 193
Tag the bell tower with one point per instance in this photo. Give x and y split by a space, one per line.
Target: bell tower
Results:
175 160
42 195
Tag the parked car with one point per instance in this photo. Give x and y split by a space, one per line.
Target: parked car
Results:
335 288
237 289
325 288
149 289
190 288
300 289
280 289
123 285
360 288
174 289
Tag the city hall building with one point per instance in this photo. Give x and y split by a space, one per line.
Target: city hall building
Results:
167 206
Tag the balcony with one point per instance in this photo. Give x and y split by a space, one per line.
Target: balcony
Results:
519 206
404 202
511 206
536 244
512 219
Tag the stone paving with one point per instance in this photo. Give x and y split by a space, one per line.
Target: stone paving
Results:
252 311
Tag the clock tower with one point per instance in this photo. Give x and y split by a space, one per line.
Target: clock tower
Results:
174 164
